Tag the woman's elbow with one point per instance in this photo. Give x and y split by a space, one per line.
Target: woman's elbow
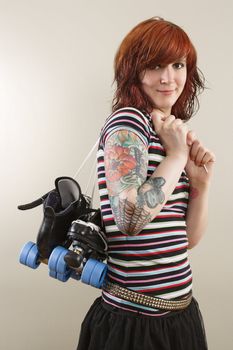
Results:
192 244
128 230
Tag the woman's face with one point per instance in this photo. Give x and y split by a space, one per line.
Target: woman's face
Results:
171 77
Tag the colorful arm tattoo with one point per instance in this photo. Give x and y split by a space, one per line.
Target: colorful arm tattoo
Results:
126 161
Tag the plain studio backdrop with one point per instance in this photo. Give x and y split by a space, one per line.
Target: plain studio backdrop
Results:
56 72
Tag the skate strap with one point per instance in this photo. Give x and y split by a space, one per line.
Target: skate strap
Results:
33 204
92 172
86 159
68 189
63 186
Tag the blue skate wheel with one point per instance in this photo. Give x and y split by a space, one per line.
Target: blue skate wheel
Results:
56 260
87 270
33 257
52 274
62 266
29 255
94 273
24 252
58 268
59 276
63 277
98 275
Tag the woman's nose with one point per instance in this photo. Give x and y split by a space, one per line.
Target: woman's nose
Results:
167 74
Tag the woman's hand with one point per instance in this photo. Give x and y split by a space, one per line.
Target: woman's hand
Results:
173 133
178 140
198 156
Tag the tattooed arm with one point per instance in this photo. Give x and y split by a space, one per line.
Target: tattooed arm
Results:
134 200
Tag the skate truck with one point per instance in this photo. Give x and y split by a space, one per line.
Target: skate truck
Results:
71 239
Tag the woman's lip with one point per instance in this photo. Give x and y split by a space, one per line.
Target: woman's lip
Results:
166 92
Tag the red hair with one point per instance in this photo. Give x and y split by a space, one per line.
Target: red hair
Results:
151 42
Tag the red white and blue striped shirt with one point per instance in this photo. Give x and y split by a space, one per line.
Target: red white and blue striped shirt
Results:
155 261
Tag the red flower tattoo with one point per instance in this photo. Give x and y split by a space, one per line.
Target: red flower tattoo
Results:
119 162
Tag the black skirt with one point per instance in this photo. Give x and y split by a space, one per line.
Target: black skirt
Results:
109 328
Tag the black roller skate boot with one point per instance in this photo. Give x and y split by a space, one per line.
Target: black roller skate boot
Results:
61 206
85 261
68 219
88 239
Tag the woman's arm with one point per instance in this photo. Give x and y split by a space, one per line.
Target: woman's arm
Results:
200 180
197 213
134 200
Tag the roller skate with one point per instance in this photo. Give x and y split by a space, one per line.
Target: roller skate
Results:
61 207
89 249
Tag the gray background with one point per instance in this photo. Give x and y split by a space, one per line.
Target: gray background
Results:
56 71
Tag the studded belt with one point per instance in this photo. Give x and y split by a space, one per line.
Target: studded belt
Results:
146 300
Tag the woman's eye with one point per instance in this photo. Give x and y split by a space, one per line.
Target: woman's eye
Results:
179 64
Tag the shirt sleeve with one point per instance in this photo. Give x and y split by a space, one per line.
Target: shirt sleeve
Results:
126 119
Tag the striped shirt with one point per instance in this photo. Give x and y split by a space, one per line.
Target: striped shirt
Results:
155 261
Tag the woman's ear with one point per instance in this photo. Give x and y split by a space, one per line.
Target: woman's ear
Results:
141 75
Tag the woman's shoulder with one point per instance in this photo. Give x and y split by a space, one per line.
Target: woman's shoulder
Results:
127 118
129 113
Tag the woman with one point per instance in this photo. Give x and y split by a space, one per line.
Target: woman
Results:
154 177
